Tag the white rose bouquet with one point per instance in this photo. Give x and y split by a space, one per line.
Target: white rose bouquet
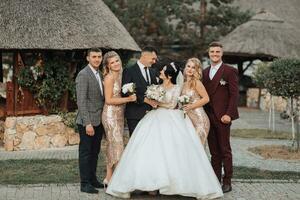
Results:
128 88
183 100
155 92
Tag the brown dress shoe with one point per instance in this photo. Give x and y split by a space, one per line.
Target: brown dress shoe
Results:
226 188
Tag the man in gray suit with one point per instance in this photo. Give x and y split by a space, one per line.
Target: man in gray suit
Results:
90 100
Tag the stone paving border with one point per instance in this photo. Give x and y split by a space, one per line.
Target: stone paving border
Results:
241 191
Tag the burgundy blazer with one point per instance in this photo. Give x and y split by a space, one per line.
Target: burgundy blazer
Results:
223 92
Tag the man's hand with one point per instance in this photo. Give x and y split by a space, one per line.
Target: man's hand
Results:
89 129
225 119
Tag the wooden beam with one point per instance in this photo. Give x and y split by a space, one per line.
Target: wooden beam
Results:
1 67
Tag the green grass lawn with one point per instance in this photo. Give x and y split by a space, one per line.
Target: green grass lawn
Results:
66 171
260 134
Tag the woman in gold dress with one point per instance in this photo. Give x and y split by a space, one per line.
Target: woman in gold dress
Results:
113 111
194 88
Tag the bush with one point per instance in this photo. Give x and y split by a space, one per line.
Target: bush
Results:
47 84
69 119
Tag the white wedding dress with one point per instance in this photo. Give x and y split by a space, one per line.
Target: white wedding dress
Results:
165 154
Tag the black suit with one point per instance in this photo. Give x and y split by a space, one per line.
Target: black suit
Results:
135 111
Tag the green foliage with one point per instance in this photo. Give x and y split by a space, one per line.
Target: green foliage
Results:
283 79
69 119
164 23
224 19
25 78
260 75
47 86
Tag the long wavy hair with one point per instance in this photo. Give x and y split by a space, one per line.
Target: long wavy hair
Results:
198 72
106 57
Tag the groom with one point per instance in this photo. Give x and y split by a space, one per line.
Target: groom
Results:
221 83
142 75
90 100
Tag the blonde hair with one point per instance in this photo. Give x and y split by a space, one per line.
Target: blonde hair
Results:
198 72
106 57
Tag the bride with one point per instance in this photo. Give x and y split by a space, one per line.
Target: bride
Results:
164 153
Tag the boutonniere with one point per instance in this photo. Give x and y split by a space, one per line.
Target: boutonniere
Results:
223 82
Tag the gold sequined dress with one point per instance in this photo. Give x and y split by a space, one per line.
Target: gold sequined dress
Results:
198 116
113 122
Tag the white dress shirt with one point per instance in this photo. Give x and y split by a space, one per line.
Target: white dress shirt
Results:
213 70
142 68
97 75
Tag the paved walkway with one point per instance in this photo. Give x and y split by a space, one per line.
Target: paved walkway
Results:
241 191
257 119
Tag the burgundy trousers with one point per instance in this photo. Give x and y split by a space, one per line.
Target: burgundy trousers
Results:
220 149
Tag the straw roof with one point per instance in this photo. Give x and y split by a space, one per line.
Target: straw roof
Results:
61 25
288 10
264 36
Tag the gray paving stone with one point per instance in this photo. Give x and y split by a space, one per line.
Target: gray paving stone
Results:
241 191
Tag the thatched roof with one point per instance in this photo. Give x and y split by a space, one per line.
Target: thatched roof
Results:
264 36
288 10
61 25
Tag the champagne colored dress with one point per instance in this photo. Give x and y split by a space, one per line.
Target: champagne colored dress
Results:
198 116
113 122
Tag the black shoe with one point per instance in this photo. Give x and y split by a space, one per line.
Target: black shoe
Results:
97 184
226 188
88 189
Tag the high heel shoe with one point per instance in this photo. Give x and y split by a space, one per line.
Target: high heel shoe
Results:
105 183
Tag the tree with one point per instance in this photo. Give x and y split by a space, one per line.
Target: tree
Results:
285 82
182 24
281 78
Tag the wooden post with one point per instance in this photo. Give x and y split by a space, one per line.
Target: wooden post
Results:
10 96
1 69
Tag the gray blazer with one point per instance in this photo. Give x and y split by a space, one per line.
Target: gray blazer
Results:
89 98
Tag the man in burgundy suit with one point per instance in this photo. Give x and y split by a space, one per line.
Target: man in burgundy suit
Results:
221 83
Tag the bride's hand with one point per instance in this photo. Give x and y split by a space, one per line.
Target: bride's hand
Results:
154 103
151 102
187 107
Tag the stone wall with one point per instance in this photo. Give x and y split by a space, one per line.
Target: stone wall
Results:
37 132
280 104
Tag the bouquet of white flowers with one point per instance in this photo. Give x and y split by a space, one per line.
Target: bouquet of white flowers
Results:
128 88
155 92
183 100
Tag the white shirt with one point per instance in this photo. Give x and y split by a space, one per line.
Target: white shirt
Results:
97 75
213 70
142 68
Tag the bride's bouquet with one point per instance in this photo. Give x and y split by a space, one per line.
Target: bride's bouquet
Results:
155 92
128 88
183 100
